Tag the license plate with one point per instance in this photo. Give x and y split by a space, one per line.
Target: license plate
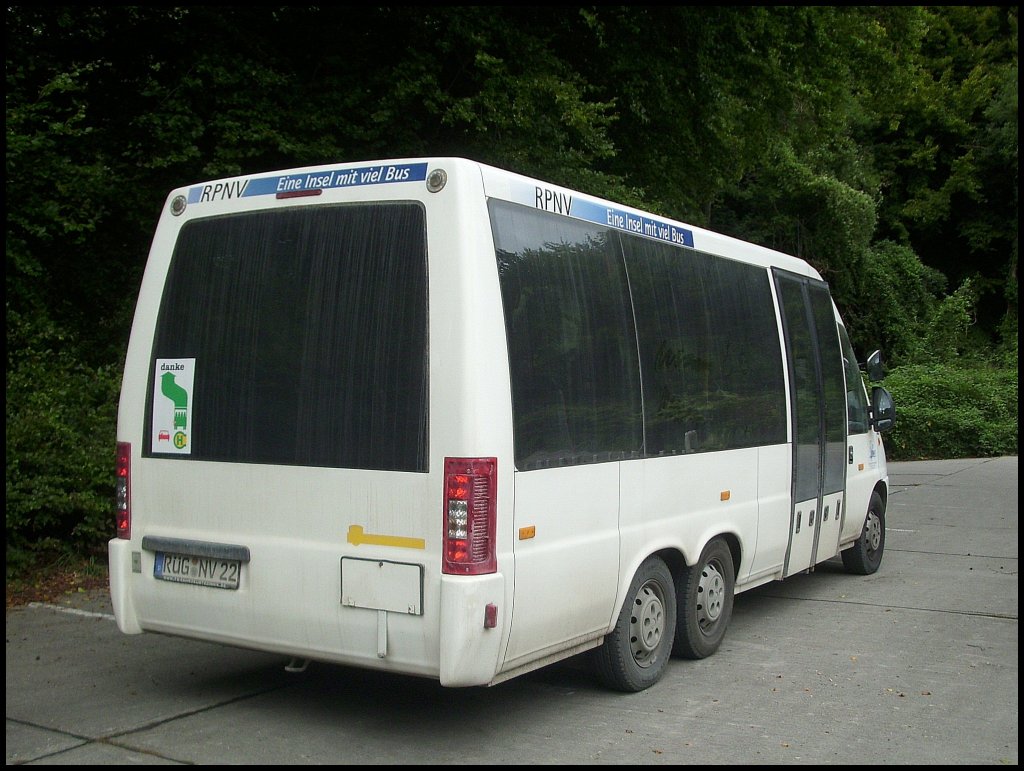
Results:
203 571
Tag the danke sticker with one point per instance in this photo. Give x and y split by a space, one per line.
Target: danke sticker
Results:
172 406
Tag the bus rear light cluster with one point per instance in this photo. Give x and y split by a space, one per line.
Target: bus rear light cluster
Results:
122 491
470 513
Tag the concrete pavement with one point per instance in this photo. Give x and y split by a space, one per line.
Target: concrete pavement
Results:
916 664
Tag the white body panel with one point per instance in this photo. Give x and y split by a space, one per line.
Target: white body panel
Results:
567 570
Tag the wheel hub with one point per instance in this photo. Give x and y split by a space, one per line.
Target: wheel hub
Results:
710 595
646 624
872 531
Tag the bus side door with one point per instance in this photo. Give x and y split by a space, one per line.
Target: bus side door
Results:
818 419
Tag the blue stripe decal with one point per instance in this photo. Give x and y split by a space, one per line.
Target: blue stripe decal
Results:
569 205
321 179
640 225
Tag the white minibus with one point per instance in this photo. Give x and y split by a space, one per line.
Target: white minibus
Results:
429 417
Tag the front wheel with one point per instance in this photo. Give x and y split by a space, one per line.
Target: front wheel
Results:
864 557
635 653
706 592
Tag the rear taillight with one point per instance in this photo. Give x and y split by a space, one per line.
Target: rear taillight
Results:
470 511
123 512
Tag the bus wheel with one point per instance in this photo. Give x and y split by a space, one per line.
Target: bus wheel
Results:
637 650
706 592
864 557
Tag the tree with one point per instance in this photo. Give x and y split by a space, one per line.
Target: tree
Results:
878 142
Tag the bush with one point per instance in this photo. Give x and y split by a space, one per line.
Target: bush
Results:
953 411
61 427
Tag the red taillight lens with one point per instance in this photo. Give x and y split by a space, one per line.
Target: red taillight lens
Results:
470 512
123 511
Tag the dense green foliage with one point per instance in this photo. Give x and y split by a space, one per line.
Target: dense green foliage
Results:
60 438
877 142
945 411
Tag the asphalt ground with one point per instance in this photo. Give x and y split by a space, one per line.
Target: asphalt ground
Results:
914 665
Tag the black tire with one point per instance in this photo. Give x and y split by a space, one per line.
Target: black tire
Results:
634 655
864 557
706 592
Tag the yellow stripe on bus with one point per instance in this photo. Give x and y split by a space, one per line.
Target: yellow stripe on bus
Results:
356 537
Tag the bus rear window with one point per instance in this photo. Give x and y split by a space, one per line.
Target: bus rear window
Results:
303 332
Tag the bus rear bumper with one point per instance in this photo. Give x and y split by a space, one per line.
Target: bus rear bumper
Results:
474 624
119 557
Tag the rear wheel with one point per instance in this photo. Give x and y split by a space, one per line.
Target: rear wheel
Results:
637 650
706 592
864 557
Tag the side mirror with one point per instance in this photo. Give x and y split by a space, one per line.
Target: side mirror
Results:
874 367
883 410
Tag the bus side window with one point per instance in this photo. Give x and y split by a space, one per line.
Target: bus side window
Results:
856 397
